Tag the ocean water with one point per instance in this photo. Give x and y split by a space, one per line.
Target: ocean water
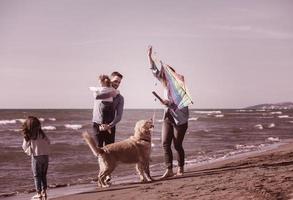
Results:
212 134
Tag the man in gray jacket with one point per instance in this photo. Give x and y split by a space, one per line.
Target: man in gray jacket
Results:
100 125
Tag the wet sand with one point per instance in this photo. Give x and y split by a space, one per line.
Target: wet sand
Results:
264 175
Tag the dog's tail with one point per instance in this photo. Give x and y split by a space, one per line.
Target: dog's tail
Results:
92 144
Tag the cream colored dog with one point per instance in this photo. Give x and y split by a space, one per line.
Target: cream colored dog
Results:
135 149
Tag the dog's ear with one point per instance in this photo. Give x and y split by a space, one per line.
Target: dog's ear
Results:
137 126
141 126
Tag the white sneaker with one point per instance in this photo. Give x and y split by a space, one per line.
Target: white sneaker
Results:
180 171
44 193
37 196
168 173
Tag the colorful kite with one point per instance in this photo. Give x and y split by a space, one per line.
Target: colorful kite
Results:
177 91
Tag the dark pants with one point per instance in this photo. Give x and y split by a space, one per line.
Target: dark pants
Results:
104 137
40 168
174 132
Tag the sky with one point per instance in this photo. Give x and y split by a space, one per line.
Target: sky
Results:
233 53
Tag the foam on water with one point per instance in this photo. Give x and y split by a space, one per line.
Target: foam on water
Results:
276 113
244 110
15 130
193 119
4 122
283 116
73 126
21 120
49 128
258 126
273 139
271 125
260 110
208 112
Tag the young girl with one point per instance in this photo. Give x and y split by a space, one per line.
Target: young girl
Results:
36 144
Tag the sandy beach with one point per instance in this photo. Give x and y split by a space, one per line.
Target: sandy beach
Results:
264 175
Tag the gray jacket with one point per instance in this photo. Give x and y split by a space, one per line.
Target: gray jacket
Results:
118 104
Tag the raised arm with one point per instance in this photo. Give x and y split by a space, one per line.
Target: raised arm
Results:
150 52
153 67
103 94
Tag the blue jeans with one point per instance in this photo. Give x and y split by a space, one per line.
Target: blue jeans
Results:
40 168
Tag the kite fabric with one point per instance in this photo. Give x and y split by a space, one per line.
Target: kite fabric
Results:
177 91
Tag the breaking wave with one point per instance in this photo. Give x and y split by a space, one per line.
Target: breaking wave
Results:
73 126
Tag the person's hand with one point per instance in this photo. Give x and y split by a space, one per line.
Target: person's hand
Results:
166 102
105 127
102 127
150 50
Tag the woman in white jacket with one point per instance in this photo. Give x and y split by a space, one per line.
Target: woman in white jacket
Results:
36 144
174 126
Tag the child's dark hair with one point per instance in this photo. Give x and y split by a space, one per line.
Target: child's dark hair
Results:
105 79
31 129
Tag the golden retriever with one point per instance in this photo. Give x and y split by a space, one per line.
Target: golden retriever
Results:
135 149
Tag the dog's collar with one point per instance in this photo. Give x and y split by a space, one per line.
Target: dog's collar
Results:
145 140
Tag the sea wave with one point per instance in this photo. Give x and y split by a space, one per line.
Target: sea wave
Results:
258 126
273 139
14 121
49 128
271 125
4 122
193 119
73 126
242 146
208 112
21 120
219 116
198 159
15 130
260 110
276 113
283 116
243 149
243 110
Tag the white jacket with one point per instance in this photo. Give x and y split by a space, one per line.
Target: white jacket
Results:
37 147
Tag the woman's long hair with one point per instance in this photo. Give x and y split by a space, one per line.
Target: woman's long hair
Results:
31 129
